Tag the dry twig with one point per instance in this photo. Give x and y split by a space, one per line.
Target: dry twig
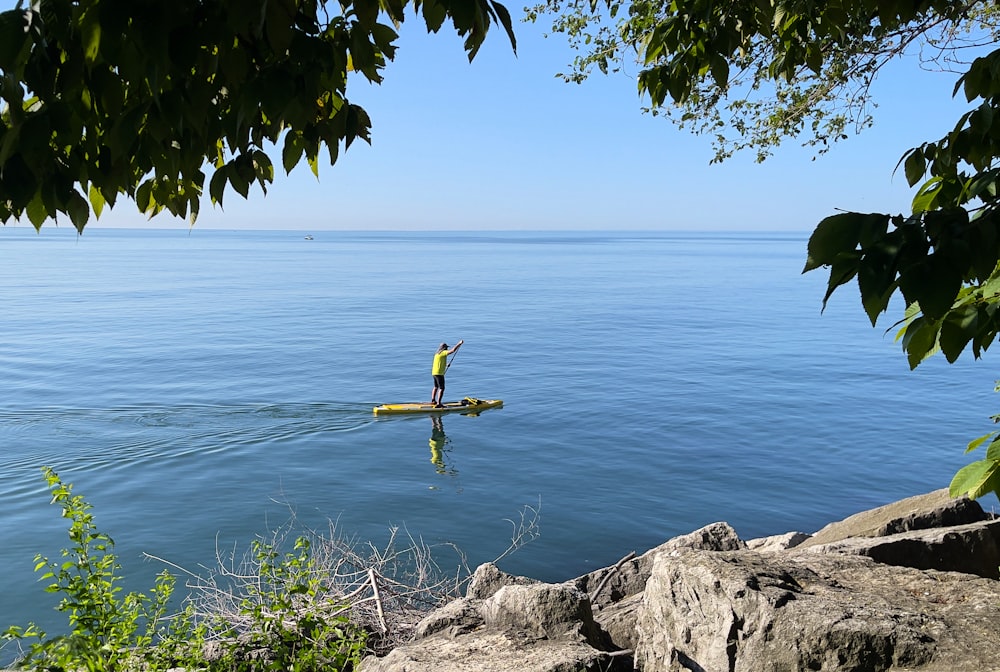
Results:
611 572
382 589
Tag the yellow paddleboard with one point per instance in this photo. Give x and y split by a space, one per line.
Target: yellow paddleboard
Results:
467 405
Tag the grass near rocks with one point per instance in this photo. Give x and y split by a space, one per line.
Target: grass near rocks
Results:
323 604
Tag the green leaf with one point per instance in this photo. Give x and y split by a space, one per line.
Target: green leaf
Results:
993 452
975 443
240 182
842 270
434 14
333 151
217 186
384 36
720 71
504 17
983 185
90 29
973 479
363 55
958 328
279 25
814 57
13 37
927 195
833 236
79 211
973 80
291 154
143 196
122 138
36 211
878 265
780 14
914 166
263 168
97 200
366 12
919 340
933 283
876 280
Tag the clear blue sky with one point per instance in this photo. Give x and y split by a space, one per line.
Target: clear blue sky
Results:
501 143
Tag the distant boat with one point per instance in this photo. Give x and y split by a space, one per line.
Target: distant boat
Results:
309 237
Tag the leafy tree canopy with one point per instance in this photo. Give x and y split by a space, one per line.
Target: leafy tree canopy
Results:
754 72
104 98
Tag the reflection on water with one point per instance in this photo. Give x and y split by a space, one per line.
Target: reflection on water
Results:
439 444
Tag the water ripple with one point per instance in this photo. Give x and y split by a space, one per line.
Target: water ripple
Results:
103 436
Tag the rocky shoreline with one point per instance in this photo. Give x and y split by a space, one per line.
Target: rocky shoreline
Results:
911 586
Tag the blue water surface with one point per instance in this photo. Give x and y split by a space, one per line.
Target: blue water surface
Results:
201 387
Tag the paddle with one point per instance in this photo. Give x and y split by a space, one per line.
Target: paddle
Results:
451 360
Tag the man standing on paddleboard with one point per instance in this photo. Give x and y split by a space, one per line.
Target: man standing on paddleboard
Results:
437 371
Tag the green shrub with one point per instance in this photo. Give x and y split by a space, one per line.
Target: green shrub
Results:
279 623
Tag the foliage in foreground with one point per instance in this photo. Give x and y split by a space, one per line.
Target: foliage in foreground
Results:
752 73
109 632
323 605
104 98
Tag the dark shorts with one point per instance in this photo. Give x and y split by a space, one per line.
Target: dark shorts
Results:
438 382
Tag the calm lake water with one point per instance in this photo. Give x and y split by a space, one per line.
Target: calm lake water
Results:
197 387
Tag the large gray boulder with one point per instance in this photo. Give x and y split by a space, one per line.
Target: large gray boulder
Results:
922 512
778 542
973 548
488 579
542 610
521 626
616 591
931 531
866 594
608 585
752 612
489 651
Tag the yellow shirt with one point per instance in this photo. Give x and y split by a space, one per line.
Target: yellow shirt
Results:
440 363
